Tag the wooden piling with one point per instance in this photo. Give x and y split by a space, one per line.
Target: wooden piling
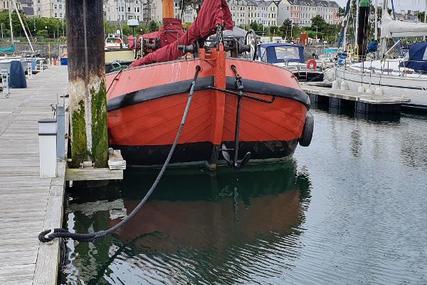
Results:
86 71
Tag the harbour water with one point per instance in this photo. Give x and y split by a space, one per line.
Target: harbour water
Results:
350 209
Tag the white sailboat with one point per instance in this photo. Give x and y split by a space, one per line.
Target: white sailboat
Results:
391 77
26 61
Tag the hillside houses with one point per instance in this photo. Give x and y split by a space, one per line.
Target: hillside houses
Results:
265 12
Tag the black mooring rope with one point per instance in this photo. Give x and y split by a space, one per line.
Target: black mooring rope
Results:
49 235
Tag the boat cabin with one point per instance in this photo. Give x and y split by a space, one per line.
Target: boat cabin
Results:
276 53
114 42
416 58
291 57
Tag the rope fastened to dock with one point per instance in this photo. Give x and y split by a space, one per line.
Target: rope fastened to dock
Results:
49 235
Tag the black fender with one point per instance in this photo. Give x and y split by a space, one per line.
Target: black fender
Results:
307 133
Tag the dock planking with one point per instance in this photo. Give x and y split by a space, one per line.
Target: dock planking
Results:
29 204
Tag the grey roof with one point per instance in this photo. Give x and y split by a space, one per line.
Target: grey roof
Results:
29 11
251 2
264 2
323 3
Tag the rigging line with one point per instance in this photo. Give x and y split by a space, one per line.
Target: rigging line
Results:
49 235
116 77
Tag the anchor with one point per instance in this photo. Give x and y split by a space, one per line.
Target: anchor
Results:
235 162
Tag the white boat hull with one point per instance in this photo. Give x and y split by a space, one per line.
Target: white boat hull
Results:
411 86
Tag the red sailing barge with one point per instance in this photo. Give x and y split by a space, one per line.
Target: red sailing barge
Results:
243 107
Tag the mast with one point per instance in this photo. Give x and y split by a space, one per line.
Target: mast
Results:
345 27
22 25
425 15
383 43
10 22
362 29
376 20
168 9
356 28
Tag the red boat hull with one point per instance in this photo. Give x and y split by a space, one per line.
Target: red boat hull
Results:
146 105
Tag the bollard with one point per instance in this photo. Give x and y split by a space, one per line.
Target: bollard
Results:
40 65
5 83
60 138
361 89
47 147
29 71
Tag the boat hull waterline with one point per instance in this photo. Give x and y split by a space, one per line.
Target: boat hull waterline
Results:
412 87
146 106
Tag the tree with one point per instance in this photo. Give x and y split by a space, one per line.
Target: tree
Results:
321 29
258 28
286 28
273 31
318 23
36 26
42 34
153 26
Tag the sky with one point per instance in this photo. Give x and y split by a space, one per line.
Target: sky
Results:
399 4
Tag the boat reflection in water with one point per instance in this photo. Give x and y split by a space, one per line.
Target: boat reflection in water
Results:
199 226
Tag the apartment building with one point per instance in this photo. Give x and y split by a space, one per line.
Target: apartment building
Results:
4 5
114 10
123 10
265 12
49 8
24 5
300 12
187 14
245 12
153 10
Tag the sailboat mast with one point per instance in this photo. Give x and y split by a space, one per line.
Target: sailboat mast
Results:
425 12
425 15
10 22
168 9
346 22
22 25
383 44
376 20
356 29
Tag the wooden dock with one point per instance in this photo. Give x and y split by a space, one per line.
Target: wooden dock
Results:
362 103
29 204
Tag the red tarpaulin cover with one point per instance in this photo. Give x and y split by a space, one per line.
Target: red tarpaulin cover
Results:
151 36
211 14
168 33
171 31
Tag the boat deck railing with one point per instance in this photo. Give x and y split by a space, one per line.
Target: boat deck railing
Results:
388 66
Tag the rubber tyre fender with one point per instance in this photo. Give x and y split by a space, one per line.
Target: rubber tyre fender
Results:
307 133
